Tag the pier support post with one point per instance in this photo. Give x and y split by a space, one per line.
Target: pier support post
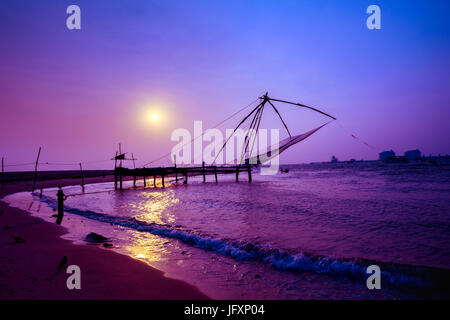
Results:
237 173
115 179
120 179
134 180
162 179
82 178
40 194
35 169
249 171
175 167
154 181
145 183
3 173
185 177
215 173
203 171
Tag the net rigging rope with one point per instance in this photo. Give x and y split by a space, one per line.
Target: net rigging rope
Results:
195 138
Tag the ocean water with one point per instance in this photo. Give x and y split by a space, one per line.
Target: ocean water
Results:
310 233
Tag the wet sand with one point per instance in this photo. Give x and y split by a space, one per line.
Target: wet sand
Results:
31 251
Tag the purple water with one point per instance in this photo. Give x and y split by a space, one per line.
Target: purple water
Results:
308 233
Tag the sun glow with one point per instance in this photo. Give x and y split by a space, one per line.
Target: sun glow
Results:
154 116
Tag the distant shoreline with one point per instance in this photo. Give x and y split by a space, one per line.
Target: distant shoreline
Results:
48 175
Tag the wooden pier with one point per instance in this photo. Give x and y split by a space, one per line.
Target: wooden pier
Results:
177 173
255 115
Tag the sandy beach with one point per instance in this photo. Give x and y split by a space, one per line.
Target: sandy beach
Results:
31 251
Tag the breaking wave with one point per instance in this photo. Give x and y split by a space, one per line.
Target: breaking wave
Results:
394 274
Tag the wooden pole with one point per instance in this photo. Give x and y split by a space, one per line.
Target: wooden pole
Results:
175 165
82 178
3 173
162 177
249 170
40 193
215 172
145 183
154 181
120 165
115 172
120 153
185 177
134 179
203 171
35 169
237 173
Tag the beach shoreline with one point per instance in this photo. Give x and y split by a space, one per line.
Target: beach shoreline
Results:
31 250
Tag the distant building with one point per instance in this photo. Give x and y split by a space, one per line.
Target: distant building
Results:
413 154
387 155
334 159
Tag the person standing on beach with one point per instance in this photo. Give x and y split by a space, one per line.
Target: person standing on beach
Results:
61 197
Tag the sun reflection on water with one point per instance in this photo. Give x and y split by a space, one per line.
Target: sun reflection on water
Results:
154 206
146 247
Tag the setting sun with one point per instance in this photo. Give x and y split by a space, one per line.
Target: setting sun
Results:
151 116
154 116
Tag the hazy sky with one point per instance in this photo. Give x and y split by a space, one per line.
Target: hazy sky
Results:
77 93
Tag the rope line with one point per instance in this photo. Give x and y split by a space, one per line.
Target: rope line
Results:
358 139
195 138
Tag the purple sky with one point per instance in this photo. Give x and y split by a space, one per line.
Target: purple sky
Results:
78 93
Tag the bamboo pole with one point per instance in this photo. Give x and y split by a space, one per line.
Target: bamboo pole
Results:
115 172
175 166
82 178
120 165
203 171
3 173
35 169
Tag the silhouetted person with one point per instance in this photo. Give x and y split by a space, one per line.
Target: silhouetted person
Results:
61 197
